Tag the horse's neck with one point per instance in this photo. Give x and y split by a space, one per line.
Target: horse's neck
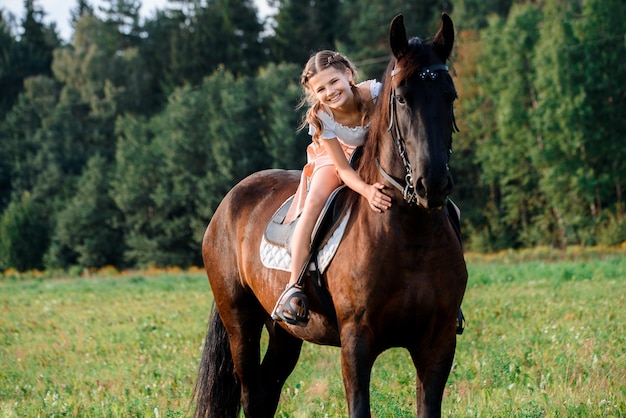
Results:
402 219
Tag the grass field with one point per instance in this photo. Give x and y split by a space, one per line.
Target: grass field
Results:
545 338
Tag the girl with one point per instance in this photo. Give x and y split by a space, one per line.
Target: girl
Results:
338 119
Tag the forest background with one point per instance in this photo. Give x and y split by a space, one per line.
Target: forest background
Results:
116 148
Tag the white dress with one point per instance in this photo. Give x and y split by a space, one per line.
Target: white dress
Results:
349 138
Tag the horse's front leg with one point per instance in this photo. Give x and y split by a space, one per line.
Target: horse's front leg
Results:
433 368
357 358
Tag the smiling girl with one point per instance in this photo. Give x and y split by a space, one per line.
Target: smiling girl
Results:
338 120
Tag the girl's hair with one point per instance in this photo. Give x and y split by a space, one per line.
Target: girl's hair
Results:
318 62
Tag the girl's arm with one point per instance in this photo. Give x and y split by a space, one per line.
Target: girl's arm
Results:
378 200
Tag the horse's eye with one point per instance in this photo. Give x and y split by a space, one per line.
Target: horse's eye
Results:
400 99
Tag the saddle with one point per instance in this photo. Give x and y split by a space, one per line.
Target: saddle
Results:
279 233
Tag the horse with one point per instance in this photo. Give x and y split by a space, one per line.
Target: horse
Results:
397 278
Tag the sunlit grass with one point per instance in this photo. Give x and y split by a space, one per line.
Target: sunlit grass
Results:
101 346
545 338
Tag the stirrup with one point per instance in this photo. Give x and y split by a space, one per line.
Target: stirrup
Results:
292 307
460 323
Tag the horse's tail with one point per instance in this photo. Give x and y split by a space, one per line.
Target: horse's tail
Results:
217 390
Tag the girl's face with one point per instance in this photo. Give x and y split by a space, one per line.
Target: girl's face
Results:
332 87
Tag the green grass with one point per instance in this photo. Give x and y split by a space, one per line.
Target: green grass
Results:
114 347
545 338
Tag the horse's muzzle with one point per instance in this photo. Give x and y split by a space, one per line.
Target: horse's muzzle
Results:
433 193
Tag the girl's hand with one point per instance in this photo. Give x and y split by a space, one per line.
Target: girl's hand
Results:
377 199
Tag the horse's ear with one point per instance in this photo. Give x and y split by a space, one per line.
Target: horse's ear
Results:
397 37
444 39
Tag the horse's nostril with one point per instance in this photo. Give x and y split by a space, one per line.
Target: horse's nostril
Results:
420 187
434 192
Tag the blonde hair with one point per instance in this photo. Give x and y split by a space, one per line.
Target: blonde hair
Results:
319 62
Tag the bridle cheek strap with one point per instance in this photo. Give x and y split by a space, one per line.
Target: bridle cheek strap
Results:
404 190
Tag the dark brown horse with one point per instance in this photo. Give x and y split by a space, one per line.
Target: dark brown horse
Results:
397 279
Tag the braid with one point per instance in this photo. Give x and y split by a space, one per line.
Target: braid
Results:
312 119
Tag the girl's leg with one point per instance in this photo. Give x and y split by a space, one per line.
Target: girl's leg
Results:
323 182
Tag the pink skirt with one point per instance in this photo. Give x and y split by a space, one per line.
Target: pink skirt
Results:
317 157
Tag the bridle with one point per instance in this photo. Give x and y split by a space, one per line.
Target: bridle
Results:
408 190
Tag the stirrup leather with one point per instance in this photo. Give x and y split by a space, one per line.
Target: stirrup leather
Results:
292 307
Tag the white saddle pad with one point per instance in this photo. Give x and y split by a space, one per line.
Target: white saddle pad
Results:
278 258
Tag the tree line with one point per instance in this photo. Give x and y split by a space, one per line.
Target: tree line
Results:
118 146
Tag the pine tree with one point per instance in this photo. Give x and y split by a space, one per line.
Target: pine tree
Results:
30 55
303 28
136 174
575 119
474 14
602 70
23 235
88 229
507 170
279 94
366 40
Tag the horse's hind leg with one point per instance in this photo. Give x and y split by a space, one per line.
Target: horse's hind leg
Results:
261 383
244 332
281 357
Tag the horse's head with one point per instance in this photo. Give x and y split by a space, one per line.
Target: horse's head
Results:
418 95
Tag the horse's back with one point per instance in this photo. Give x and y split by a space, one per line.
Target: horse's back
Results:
237 225
249 204
267 186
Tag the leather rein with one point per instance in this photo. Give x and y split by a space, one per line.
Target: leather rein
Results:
408 190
